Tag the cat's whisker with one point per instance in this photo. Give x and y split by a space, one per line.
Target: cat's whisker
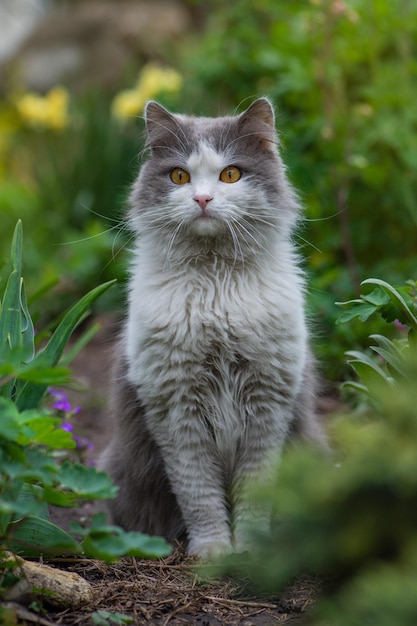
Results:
236 245
258 244
103 217
174 235
122 247
306 241
324 219
116 253
83 239
244 136
257 218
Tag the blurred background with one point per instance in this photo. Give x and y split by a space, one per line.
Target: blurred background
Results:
74 77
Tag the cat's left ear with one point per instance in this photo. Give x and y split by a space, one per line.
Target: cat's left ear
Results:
259 119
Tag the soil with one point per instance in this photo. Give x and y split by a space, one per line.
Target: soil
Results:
163 592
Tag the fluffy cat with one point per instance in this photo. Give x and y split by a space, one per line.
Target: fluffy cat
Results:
214 370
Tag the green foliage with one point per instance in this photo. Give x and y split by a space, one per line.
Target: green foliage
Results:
349 517
107 618
31 473
73 183
397 357
110 542
343 78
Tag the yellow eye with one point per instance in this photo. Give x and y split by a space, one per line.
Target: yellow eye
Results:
230 174
180 176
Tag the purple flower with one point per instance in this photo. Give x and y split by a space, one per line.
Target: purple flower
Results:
401 327
83 443
61 402
67 426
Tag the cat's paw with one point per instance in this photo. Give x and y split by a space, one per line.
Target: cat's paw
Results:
209 549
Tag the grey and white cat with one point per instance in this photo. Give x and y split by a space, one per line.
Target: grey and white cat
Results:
214 371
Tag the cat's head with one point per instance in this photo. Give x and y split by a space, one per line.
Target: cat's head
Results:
213 182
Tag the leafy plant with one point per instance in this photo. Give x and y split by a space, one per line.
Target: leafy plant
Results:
31 436
396 360
350 517
107 618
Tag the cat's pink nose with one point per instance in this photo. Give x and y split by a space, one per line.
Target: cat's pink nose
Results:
202 201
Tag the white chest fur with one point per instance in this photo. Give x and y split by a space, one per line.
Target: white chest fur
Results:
214 331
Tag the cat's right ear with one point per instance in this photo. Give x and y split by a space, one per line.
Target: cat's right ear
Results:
159 122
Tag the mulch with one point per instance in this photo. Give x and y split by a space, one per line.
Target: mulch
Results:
171 592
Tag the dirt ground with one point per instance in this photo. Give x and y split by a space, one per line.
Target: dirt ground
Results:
167 591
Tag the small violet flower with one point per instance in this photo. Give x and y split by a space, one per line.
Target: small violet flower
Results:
67 426
63 405
61 402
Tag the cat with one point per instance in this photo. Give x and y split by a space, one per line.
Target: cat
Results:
214 370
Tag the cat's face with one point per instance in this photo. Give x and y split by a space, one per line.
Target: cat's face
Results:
212 178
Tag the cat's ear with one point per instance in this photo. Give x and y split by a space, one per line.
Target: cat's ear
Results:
259 119
160 123
261 110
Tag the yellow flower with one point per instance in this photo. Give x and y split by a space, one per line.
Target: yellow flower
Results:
50 111
127 103
57 108
153 80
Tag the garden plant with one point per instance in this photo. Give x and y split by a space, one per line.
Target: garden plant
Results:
35 470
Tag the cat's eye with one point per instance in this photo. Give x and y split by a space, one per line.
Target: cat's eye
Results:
179 176
230 174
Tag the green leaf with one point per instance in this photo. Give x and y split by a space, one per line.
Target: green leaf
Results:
108 542
110 546
10 317
107 618
34 496
16 328
397 299
57 497
32 536
53 351
350 384
46 430
9 428
31 395
27 329
358 308
389 351
80 344
45 375
86 482
370 373
377 297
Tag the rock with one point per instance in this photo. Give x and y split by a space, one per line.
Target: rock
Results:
58 587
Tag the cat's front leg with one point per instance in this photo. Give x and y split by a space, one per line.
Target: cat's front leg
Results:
259 455
197 480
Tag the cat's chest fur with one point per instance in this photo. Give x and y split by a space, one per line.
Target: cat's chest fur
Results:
213 302
217 328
